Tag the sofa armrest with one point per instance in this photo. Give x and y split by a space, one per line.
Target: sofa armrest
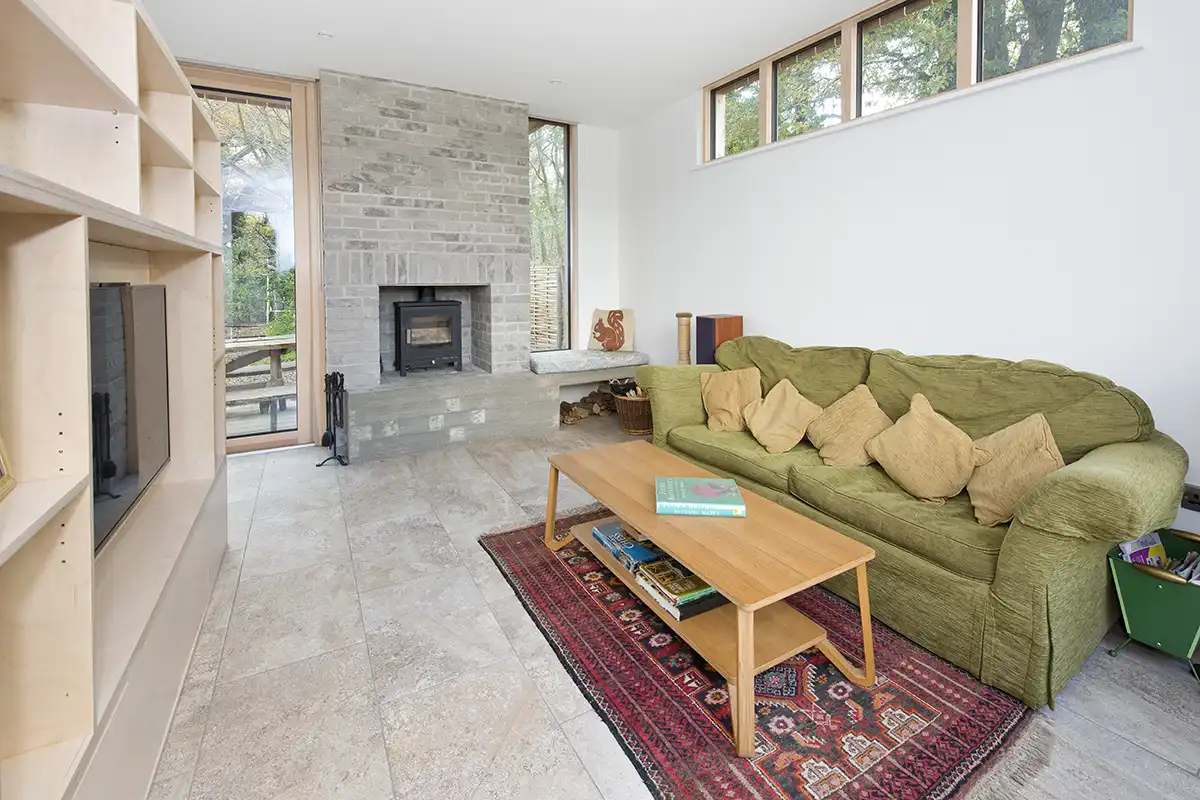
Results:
1114 493
674 394
1052 599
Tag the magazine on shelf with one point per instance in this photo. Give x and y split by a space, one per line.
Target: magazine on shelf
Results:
629 552
680 612
675 582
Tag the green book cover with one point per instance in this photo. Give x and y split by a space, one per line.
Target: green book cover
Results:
704 497
676 581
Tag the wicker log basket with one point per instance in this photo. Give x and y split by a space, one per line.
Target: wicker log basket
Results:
634 414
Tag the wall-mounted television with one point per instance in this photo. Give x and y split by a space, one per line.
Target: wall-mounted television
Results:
131 435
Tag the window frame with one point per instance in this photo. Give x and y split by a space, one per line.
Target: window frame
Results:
796 51
310 283
745 77
969 69
571 292
977 35
860 35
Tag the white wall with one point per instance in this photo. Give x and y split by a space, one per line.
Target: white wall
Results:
1054 217
597 152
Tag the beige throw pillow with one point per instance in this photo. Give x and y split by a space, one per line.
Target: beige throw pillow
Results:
725 394
1022 454
780 419
926 453
842 431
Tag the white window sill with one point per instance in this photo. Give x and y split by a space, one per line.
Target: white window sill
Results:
1033 73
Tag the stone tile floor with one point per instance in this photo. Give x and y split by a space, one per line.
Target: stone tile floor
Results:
360 645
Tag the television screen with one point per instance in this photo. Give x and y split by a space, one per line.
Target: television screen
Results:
130 429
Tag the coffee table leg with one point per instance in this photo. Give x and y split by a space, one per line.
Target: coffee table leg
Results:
864 610
742 707
552 513
866 675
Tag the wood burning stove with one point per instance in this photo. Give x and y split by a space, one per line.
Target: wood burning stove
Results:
428 333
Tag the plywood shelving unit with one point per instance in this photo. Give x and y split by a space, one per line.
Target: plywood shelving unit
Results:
109 171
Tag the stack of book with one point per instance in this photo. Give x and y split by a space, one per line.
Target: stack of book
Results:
698 497
670 584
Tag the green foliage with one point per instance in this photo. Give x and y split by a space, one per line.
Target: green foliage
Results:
741 118
548 195
257 292
910 57
809 91
1018 34
256 176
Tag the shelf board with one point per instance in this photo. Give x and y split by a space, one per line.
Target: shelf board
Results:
204 187
31 505
42 65
157 149
201 124
42 773
780 631
157 70
23 193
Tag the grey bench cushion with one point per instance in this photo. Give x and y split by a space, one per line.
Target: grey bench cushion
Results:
584 360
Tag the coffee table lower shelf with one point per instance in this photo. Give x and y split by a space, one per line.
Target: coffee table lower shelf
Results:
780 631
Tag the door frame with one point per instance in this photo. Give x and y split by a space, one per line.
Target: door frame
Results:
310 283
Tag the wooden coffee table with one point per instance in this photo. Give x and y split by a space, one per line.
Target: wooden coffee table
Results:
756 562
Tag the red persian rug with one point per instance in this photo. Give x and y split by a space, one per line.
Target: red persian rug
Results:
921 733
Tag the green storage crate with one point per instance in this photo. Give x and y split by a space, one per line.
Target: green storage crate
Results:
1159 611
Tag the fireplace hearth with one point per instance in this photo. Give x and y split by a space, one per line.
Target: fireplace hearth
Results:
428 334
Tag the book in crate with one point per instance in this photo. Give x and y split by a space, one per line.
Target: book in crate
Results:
698 497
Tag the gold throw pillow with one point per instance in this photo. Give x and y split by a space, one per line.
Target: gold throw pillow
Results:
1022 454
725 394
842 431
926 453
780 419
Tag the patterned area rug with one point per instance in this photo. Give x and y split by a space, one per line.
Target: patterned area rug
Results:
923 732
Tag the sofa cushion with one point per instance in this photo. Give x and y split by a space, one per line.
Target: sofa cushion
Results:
984 395
738 453
868 499
926 454
780 420
822 374
1021 455
726 395
844 428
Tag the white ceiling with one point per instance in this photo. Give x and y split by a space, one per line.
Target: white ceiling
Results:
618 60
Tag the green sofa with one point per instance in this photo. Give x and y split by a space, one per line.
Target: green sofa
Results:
1019 606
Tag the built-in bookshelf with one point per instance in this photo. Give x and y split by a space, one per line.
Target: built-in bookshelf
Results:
109 172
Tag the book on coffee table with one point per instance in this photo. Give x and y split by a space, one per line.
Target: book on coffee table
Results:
698 497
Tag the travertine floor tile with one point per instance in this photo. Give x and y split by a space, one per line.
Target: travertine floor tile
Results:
288 498
553 683
281 619
602 756
449 750
397 550
306 730
428 630
290 541
240 514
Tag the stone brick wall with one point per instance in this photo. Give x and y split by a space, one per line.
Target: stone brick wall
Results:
423 187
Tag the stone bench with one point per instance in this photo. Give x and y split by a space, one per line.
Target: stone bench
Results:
604 364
